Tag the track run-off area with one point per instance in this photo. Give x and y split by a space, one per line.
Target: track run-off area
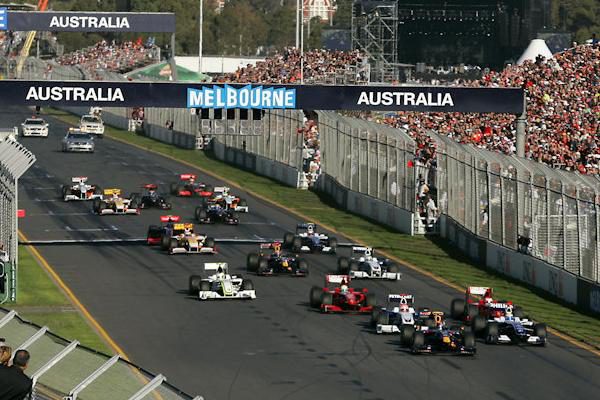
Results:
274 347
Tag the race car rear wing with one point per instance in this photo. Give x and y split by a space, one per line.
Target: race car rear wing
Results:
151 186
220 189
361 250
110 192
183 226
401 298
479 290
215 266
79 179
337 278
187 177
170 218
270 245
306 225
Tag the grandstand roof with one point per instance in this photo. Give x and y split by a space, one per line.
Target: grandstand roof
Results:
536 48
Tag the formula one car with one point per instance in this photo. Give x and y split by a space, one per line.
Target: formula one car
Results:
398 314
80 190
223 197
442 339
156 233
113 203
364 265
497 321
221 285
307 239
188 187
185 241
341 299
151 198
212 213
276 263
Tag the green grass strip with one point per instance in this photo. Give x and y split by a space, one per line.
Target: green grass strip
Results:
42 302
434 255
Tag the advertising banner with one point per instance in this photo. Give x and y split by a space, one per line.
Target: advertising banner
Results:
309 97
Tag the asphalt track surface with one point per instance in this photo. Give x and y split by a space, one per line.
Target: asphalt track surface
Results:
274 347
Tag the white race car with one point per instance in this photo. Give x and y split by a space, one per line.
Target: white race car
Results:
364 265
221 285
222 195
34 127
80 190
398 313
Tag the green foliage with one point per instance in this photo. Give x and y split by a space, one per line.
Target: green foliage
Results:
580 17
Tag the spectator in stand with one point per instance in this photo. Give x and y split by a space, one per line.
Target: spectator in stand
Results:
14 384
5 353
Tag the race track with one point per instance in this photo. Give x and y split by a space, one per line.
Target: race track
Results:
274 347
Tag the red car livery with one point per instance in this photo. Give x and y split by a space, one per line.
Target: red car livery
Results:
188 187
341 299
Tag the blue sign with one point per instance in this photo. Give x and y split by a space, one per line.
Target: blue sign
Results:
259 97
3 19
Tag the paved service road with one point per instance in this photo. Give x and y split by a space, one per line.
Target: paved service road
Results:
274 347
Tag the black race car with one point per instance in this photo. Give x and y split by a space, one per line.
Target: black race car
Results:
151 198
438 338
212 213
276 263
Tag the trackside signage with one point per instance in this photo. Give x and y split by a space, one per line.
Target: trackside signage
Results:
309 97
76 21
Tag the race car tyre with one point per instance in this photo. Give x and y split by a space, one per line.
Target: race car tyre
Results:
252 262
296 244
247 284
205 286
343 265
97 189
302 266
518 312
371 300
457 308
201 214
491 333
209 242
66 190
173 189
203 203
315 296
96 205
327 298
479 324
165 242
393 268
173 243
472 310
333 243
407 334
540 330
468 339
418 340
288 239
135 202
383 318
353 266
194 284
375 316
263 265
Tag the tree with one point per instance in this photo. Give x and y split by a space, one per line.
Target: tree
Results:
342 18
314 38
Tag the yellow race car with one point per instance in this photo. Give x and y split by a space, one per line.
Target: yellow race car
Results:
113 203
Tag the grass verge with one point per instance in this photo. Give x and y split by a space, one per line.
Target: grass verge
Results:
42 302
434 256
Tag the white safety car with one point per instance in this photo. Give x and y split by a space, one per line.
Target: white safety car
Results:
34 127
221 285
80 190
92 124
364 265
113 203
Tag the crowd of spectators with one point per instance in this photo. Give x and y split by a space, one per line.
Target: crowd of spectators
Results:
563 113
285 67
112 56
311 153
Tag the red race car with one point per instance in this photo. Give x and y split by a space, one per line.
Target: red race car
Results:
479 301
341 299
188 187
156 232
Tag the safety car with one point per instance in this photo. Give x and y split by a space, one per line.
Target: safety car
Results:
364 265
34 127
157 233
113 204
307 239
342 298
78 142
80 190
275 262
150 198
188 187
92 124
213 213
220 285
185 241
439 338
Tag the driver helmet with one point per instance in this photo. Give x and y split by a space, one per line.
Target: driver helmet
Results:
310 229
368 253
508 313
344 287
276 249
404 308
188 231
487 300
439 321
115 196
